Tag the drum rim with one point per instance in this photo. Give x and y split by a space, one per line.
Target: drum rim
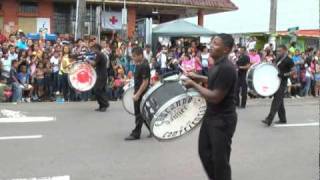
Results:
149 93
123 103
168 104
257 66
92 70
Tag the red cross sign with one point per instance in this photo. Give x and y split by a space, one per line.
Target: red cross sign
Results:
113 20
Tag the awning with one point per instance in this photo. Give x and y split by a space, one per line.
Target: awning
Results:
181 28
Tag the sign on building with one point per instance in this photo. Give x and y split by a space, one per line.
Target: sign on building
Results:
111 20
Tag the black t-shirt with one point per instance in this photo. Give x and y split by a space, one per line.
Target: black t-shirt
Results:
243 61
222 76
141 73
101 65
285 66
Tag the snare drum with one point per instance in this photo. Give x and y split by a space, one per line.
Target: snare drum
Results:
170 110
127 100
82 76
263 79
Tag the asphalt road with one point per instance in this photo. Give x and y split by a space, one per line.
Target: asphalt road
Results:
86 145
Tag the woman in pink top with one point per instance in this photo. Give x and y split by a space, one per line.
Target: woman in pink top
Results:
254 57
197 63
188 64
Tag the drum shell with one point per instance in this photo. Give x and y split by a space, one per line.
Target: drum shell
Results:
156 98
73 70
251 75
166 108
127 101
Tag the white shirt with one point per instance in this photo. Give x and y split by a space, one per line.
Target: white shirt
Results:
147 56
163 60
6 63
13 56
55 64
205 58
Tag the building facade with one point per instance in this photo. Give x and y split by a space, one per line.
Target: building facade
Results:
58 16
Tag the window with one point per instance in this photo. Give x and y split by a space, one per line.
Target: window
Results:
28 7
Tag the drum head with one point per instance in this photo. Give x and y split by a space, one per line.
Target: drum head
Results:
178 116
82 76
265 80
127 100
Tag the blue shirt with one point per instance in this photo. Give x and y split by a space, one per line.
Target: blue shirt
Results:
24 78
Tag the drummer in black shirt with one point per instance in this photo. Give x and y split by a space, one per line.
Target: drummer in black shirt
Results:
220 119
141 84
243 65
285 66
102 77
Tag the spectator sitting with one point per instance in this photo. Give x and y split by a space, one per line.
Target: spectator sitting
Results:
188 64
294 86
24 79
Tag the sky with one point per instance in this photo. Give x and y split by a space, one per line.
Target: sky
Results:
253 16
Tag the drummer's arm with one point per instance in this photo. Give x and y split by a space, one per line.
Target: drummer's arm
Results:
223 83
198 78
245 67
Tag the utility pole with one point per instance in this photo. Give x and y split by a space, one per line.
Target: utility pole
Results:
273 21
80 18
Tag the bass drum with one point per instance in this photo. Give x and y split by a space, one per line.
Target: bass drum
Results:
127 100
263 80
170 110
82 77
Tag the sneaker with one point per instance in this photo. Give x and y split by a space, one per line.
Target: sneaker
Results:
28 100
298 97
23 100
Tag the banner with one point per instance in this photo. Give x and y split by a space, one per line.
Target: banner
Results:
111 20
43 25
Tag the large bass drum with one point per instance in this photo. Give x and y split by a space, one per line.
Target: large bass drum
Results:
82 76
170 110
127 100
263 80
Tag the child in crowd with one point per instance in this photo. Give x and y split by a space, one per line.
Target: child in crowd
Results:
25 79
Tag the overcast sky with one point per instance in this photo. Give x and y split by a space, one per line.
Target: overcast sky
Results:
253 16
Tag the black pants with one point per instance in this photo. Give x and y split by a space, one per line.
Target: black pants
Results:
277 104
215 146
243 88
139 120
101 93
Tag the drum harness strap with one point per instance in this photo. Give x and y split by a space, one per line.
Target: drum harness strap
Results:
280 61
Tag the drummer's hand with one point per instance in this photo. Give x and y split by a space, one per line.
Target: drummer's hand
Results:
135 98
188 83
191 75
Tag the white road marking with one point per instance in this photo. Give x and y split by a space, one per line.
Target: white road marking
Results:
46 178
21 137
11 114
26 119
18 117
298 125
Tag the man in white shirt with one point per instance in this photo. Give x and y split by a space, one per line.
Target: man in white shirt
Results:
147 53
12 54
55 61
162 60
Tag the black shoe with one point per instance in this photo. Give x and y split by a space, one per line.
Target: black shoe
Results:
281 122
131 138
150 135
267 122
98 109
104 109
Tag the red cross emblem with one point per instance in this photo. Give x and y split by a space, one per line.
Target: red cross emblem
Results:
113 20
